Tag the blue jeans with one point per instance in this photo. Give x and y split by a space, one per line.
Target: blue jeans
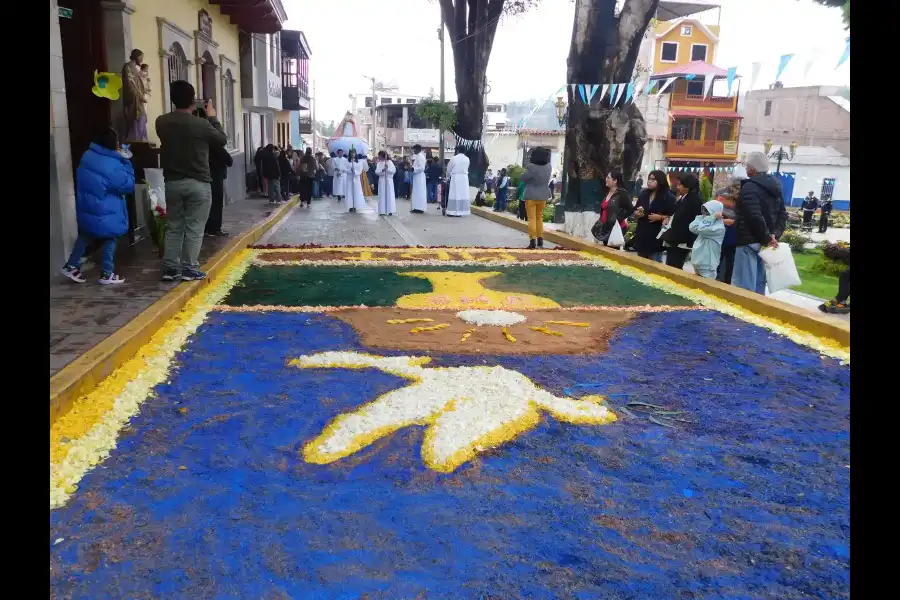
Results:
109 252
431 190
749 271
315 190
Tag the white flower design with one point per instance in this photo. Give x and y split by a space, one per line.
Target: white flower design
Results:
467 409
496 318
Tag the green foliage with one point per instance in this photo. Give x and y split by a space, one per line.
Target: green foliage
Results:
324 128
830 266
706 188
796 240
441 115
844 5
514 172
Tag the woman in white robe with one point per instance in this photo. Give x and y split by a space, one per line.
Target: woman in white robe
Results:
354 200
341 173
385 169
419 194
458 198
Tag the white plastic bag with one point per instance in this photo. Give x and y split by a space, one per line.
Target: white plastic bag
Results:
157 184
781 272
616 239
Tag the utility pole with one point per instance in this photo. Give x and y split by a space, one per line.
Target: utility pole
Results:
441 131
372 142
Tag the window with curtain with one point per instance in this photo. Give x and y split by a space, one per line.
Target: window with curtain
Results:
178 69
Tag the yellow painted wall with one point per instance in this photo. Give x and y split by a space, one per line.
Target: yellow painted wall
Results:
183 13
698 36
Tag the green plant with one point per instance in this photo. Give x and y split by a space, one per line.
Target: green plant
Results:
547 215
441 115
829 266
512 206
795 240
706 188
514 172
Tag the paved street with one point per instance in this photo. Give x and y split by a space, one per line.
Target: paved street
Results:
327 223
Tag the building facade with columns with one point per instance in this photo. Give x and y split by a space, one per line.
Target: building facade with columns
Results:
195 40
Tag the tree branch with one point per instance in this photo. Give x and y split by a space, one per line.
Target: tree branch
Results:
633 22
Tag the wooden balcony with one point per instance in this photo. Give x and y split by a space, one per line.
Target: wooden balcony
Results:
712 149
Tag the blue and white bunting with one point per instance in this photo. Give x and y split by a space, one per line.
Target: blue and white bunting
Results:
732 73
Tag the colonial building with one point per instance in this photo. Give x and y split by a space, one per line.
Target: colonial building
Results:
811 116
703 130
295 99
192 40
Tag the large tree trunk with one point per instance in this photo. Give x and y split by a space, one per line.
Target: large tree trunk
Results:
599 138
472 25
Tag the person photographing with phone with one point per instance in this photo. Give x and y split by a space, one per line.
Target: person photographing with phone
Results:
185 142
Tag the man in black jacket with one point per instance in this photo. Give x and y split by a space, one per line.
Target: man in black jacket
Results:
761 220
219 161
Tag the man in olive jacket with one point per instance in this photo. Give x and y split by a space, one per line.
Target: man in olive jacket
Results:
761 220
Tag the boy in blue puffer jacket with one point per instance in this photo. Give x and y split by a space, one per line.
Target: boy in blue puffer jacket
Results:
103 178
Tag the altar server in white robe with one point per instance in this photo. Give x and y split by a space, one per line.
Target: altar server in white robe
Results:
419 194
385 169
354 199
341 175
458 198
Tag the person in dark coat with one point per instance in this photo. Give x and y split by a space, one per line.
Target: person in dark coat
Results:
728 197
103 178
810 205
272 173
653 206
257 161
678 238
826 213
761 220
309 168
616 207
286 171
433 174
219 161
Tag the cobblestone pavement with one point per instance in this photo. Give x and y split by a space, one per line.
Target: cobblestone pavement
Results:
328 223
83 315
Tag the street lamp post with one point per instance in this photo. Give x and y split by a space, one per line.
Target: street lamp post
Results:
562 115
780 154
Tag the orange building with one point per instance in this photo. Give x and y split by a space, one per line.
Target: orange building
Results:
703 131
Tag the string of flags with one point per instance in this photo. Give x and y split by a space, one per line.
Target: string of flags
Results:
698 169
588 93
468 144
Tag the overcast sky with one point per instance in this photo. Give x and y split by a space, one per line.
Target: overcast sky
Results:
396 42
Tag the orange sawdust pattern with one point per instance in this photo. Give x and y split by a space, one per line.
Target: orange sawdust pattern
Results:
461 338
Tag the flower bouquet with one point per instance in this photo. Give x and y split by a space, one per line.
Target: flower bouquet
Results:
157 223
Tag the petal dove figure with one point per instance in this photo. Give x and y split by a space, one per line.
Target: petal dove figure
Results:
466 410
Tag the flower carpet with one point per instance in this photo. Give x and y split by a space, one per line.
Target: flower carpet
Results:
457 423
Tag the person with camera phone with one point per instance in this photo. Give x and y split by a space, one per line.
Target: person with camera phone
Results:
186 137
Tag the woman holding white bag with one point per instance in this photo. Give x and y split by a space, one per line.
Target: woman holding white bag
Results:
614 210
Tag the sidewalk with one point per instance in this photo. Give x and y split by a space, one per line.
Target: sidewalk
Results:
83 315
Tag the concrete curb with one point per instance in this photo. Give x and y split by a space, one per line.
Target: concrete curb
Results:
85 372
761 305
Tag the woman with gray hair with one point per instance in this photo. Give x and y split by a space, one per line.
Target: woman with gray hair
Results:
761 220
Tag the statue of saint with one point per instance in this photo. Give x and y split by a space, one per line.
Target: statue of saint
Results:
135 95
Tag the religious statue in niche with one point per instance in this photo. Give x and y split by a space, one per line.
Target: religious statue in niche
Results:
136 94
204 24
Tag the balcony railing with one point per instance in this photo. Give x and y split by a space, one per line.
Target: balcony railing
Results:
705 147
695 101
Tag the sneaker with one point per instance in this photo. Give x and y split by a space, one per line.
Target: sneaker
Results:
110 279
218 233
540 242
170 275
192 275
72 273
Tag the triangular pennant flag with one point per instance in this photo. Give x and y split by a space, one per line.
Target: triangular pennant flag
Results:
668 82
581 91
782 63
629 92
612 92
732 73
591 92
707 85
621 90
845 55
650 85
603 90
689 76
754 73
809 65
